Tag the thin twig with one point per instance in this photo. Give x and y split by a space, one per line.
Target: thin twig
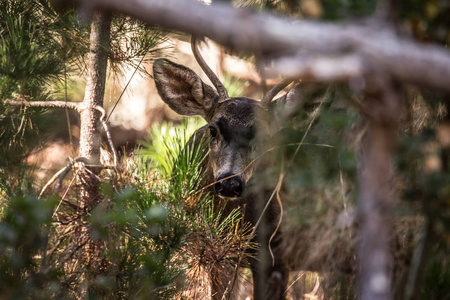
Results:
417 262
108 134
60 175
69 128
56 176
280 181
293 282
65 193
126 86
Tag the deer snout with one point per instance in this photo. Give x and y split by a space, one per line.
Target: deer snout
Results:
229 186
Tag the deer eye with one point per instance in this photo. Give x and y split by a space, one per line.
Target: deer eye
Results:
212 132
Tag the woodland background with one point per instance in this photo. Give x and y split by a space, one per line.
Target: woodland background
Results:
97 202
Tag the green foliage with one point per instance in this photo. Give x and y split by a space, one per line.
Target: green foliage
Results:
34 47
22 237
234 86
133 44
151 221
26 52
188 222
157 229
151 233
27 62
40 48
344 289
136 231
167 143
436 274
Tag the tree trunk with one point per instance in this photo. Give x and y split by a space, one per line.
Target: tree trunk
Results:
376 197
90 131
91 251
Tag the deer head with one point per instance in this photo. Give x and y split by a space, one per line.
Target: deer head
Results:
231 120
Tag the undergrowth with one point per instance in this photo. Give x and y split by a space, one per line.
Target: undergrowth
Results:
146 239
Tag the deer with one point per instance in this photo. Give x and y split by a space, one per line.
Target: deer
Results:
232 134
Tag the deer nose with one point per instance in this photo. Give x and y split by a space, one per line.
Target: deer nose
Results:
229 187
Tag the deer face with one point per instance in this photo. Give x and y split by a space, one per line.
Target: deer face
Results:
231 124
231 121
232 132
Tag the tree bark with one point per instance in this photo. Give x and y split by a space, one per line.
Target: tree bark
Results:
90 123
92 250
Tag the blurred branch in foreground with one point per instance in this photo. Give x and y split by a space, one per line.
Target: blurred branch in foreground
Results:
303 49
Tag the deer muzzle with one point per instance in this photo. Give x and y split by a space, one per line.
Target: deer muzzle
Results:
229 186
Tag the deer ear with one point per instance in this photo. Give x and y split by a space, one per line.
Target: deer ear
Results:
182 89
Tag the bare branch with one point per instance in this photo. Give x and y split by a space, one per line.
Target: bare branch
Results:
403 59
108 134
51 104
61 174
327 69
